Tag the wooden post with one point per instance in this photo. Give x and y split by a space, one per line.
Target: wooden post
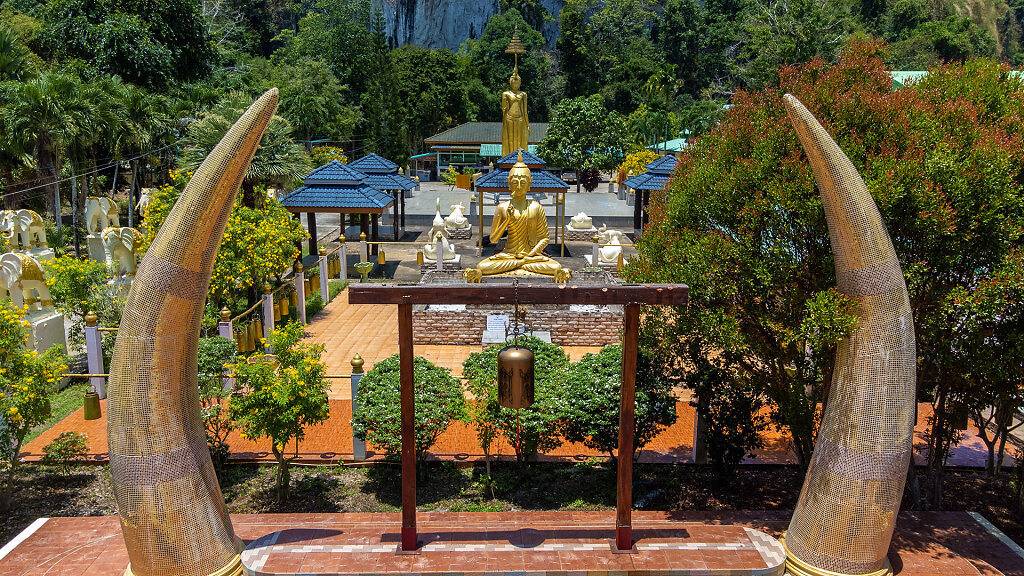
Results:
627 406
638 206
394 215
405 351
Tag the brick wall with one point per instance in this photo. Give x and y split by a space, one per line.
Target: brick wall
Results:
567 327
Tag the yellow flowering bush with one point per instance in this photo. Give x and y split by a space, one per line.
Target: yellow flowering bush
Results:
77 286
258 244
323 154
635 162
277 399
27 380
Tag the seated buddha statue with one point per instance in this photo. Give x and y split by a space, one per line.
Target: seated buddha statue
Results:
527 226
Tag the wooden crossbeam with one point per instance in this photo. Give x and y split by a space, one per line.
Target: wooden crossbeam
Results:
655 294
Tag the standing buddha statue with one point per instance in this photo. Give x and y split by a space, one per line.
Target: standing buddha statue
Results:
515 125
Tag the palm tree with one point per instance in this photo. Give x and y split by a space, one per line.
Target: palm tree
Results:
279 160
13 56
44 112
146 124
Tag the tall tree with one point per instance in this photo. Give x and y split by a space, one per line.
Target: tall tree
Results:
584 135
46 112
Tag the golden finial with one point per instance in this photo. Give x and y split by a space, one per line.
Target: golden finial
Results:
225 314
362 236
323 251
298 266
515 46
267 288
91 318
357 364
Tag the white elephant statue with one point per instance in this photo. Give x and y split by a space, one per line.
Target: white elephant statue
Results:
143 204
430 249
121 246
605 236
456 220
581 222
22 278
610 254
100 214
438 223
23 228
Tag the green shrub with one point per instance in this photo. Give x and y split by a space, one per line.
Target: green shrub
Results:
528 430
277 398
66 451
335 287
590 407
439 401
314 304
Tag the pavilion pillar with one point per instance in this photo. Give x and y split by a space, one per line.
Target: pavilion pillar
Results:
311 226
394 217
402 196
364 224
638 206
374 219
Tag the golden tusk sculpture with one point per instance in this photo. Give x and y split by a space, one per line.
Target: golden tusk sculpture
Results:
171 509
844 519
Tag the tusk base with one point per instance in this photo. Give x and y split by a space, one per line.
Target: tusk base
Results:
797 567
233 567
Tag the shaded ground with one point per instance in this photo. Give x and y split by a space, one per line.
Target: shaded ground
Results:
450 487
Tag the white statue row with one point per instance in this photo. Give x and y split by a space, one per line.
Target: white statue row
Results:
611 240
120 244
441 229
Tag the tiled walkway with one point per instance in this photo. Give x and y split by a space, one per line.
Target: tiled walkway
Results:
925 544
372 332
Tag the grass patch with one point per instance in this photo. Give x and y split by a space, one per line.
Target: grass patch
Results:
62 405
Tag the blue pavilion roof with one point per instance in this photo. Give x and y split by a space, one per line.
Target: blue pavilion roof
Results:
390 181
374 164
529 158
647 181
664 165
543 181
360 196
334 172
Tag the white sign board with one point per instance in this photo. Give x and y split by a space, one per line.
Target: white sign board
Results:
497 322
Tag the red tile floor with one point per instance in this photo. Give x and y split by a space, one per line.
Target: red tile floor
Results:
530 543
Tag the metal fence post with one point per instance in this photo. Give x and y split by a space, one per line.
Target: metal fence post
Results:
94 354
300 291
268 316
325 295
343 260
358 446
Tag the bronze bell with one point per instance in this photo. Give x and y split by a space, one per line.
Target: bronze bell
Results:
515 377
92 406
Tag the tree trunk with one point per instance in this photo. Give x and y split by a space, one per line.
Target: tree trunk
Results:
46 169
283 474
131 193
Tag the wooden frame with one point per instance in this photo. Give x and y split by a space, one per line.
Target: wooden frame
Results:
631 296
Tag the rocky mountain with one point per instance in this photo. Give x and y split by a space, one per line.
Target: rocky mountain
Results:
445 23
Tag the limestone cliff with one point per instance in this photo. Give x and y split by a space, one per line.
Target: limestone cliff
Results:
445 23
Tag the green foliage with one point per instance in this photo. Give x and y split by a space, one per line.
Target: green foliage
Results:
78 286
27 380
584 134
67 450
314 304
278 160
325 154
590 408
147 42
277 398
14 62
335 287
529 430
493 67
215 354
377 420
743 226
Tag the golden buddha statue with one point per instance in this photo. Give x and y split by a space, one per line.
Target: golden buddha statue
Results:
527 227
515 125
